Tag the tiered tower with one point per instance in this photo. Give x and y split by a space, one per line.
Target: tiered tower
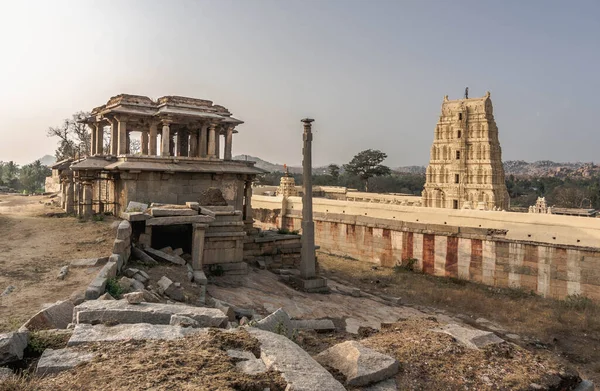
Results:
287 184
465 170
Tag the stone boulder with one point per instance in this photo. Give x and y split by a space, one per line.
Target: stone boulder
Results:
360 365
212 197
54 361
55 316
169 288
134 297
183 321
12 346
298 368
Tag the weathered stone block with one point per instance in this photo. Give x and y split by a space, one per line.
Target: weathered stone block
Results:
91 262
56 316
134 297
55 361
278 322
142 256
120 246
167 287
471 338
161 256
12 346
360 365
86 333
163 212
124 230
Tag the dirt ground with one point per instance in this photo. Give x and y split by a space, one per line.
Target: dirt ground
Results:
569 329
34 247
198 362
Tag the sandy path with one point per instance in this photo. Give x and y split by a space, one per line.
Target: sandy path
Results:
32 250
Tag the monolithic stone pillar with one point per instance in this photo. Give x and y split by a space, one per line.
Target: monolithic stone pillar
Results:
247 212
218 144
198 245
212 140
228 141
128 143
193 143
307 264
144 143
153 139
99 139
63 193
166 139
114 137
203 141
87 199
123 137
69 196
77 197
93 136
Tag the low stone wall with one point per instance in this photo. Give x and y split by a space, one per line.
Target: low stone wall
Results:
477 254
274 251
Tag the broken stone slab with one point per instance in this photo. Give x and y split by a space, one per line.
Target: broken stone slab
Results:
12 346
62 273
164 257
90 262
142 256
322 325
86 333
166 250
471 338
136 207
175 220
360 365
226 308
54 361
140 278
124 230
163 212
178 251
120 311
298 368
168 287
120 246
183 321
106 296
134 216
55 316
278 322
134 297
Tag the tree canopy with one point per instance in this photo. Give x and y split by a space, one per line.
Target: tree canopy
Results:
367 164
74 137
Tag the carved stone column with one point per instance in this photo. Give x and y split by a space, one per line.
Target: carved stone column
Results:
307 264
99 139
198 245
123 137
153 136
144 143
182 142
203 141
114 137
193 143
69 196
228 142
87 199
247 212
166 138
218 144
93 136
212 134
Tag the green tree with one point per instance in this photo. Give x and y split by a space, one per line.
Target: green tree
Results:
33 176
367 164
9 172
334 170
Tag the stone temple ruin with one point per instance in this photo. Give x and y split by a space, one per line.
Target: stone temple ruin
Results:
180 157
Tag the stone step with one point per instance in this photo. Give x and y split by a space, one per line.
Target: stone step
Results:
86 333
120 311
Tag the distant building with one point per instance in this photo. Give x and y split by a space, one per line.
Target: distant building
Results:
465 170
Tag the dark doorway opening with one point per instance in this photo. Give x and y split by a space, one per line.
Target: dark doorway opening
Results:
174 236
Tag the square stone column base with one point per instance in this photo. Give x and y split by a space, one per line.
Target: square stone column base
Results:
311 285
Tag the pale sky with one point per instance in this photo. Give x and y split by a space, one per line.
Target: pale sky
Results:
371 73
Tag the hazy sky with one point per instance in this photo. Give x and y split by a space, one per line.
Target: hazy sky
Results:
371 73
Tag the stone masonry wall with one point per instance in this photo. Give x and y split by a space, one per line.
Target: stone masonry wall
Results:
475 254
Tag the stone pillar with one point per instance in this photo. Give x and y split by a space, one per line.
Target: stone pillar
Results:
100 139
247 212
198 245
152 145
114 137
69 196
123 137
307 264
87 200
218 144
144 143
93 141
228 141
63 193
193 143
77 197
212 131
182 142
203 141
166 139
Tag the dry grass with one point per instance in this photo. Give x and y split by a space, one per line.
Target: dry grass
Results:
570 327
197 362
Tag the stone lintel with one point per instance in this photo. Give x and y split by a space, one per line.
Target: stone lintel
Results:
175 220
162 212
134 216
225 234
